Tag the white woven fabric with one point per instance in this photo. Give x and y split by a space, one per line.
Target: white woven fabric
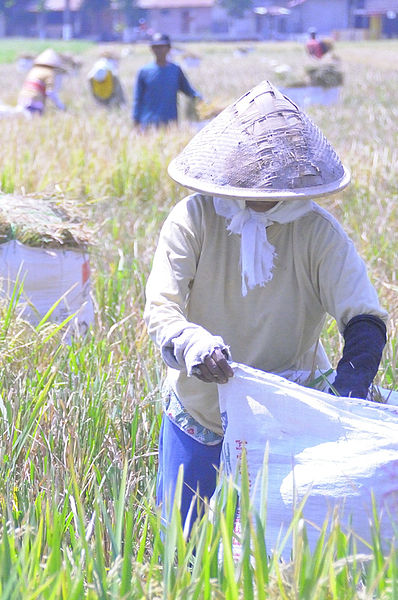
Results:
338 451
257 254
52 279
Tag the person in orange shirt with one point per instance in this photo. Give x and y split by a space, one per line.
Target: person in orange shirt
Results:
42 82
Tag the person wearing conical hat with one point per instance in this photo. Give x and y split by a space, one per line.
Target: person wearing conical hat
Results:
43 81
104 81
246 269
157 85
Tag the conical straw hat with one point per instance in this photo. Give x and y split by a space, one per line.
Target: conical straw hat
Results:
261 147
50 58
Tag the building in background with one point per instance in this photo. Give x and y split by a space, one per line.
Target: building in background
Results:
190 18
185 20
266 20
380 17
210 19
61 19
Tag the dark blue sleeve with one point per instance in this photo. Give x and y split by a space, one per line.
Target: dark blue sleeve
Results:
365 338
185 87
138 95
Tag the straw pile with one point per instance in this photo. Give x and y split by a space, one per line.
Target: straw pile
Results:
209 110
42 222
198 110
325 75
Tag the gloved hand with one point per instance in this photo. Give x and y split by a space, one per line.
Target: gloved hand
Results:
198 352
215 368
365 338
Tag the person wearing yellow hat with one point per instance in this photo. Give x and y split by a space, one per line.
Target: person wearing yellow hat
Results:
157 86
43 81
246 269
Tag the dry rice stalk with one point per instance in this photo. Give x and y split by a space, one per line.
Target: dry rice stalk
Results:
42 222
327 74
209 110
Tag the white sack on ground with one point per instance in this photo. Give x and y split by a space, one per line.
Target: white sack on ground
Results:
7 111
339 450
48 274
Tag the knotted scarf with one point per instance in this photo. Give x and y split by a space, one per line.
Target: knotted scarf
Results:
257 253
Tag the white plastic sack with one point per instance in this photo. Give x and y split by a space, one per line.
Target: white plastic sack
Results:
337 450
312 94
46 276
7 111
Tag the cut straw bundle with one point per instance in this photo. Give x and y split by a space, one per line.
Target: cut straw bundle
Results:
328 74
325 73
42 222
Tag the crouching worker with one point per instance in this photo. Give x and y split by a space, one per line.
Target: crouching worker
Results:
247 268
44 80
104 81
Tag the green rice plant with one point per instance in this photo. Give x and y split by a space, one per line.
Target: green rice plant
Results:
99 550
333 569
7 179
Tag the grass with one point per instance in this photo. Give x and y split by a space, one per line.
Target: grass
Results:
12 48
79 422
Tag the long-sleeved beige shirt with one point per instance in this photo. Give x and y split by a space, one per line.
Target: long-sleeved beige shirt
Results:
196 279
39 83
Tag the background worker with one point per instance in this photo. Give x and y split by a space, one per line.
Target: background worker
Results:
43 81
104 81
157 85
315 47
248 269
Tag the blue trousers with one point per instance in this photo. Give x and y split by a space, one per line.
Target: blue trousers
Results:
200 464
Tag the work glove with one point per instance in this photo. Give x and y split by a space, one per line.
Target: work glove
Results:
365 338
191 347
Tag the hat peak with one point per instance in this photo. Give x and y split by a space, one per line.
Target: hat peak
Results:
261 146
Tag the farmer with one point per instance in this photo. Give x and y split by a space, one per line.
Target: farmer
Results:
104 81
157 85
247 268
315 47
43 81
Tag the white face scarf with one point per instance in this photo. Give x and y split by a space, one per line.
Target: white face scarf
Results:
256 253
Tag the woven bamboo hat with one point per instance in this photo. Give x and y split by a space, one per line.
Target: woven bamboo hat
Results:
50 58
261 147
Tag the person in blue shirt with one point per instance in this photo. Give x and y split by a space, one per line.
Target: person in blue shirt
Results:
157 85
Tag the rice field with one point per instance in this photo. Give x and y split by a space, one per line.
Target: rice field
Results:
79 422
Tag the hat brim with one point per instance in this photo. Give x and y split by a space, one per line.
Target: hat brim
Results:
221 191
55 67
160 43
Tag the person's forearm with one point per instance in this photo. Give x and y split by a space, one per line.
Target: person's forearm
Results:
183 344
55 98
365 338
